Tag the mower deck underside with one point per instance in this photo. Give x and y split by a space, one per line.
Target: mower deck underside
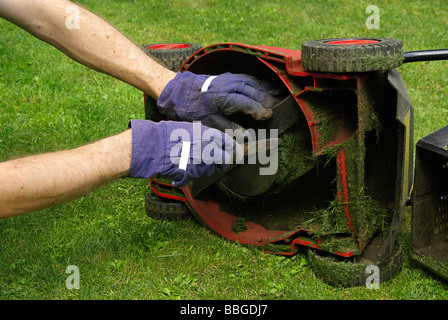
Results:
339 182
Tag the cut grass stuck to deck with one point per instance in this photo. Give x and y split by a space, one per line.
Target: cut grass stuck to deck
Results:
49 102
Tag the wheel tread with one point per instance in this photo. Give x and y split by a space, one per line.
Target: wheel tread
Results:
319 56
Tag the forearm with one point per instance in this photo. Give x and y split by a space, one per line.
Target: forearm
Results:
93 42
45 180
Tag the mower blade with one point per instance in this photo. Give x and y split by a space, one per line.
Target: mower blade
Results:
254 147
284 115
250 149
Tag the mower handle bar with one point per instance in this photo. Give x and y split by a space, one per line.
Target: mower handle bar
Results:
425 55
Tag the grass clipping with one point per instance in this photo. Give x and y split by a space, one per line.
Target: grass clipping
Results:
365 211
239 225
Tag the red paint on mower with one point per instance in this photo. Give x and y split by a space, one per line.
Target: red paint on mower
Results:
352 42
168 46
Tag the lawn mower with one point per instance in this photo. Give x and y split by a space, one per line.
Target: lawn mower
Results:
346 159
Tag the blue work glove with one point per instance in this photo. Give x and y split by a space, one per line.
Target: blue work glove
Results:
192 97
181 151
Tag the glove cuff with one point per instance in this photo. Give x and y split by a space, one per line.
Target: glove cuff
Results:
146 138
164 103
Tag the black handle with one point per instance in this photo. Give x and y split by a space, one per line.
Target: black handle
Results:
425 55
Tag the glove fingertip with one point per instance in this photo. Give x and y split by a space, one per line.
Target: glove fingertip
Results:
264 114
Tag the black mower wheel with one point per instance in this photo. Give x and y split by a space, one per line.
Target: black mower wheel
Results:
354 273
171 55
164 209
349 55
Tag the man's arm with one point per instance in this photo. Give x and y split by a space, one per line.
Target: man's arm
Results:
45 180
146 149
96 44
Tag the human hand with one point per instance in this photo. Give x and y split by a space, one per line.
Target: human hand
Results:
181 151
193 97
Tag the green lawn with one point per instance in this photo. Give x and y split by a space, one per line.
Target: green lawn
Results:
51 103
